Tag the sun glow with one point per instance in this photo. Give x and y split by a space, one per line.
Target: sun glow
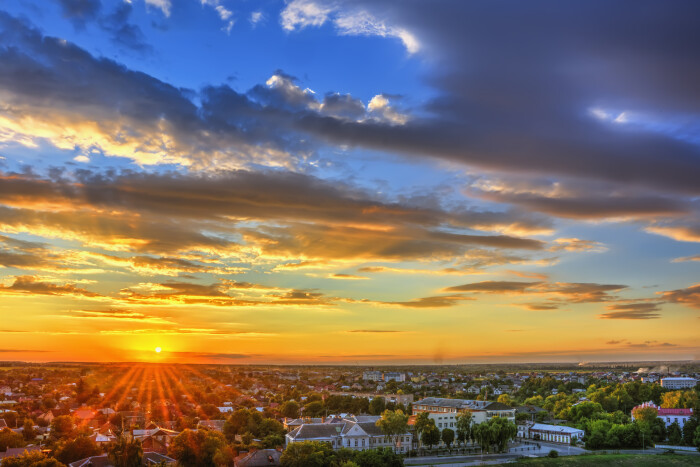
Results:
158 349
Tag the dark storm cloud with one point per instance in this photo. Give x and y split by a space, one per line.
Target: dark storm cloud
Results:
516 83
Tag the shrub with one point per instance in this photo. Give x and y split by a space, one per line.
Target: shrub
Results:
553 453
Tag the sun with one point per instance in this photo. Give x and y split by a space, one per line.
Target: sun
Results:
158 349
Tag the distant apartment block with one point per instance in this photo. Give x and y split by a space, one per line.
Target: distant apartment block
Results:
395 398
393 376
679 383
372 376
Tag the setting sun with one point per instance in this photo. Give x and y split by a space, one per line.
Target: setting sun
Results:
158 349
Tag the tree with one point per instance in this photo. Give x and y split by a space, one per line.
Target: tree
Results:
28 429
430 435
504 430
31 459
125 452
645 414
464 427
393 424
314 409
290 409
689 430
696 438
505 399
377 406
197 448
306 454
385 457
448 437
422 422
76 449
675 435
61 427
10 439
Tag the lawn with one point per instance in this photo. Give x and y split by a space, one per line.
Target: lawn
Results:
631 460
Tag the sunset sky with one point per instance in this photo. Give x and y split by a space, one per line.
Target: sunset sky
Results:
361 182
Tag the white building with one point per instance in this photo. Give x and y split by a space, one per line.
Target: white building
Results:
372 376
678 383
669 416
445 411
392 376
553 433
356 434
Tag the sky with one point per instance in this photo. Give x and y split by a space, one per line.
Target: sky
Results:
349 182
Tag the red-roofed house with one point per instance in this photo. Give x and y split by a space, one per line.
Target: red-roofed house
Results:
669 416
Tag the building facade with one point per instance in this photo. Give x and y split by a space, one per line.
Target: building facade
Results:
679 383
445 411
350 434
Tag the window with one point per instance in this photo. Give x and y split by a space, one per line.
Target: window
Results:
355 443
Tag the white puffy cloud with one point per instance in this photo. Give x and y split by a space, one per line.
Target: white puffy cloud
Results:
162 5
299 14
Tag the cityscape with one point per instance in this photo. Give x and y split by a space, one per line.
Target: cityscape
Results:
349 233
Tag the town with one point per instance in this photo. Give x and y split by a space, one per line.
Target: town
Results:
73 414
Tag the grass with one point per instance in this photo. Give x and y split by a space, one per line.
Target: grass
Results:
631 460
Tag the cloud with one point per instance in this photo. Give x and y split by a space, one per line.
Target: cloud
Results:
162 5
557 293
374 331
79 12
493 287
438 301
122 32
686 258
30 285
362 23
633 311
576 244
173 213
678 232
300 14
351 277
256 17
689 296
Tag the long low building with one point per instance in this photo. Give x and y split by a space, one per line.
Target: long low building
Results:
344 433
550 433
678 383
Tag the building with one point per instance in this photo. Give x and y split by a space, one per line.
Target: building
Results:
678 383
445 411
552 433
261 458
404 399
669 416
372 376
148 459
350 434
394 376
